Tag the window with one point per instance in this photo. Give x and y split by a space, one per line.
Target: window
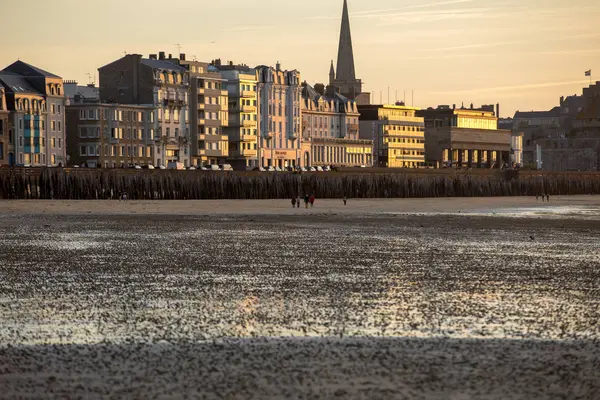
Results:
176 132
21 141
1 151
59 109
53 126
91 150
122 151
53 159
53 109
59 143
59 126
83 151
20 124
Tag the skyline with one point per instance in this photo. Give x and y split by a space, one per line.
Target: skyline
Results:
522 56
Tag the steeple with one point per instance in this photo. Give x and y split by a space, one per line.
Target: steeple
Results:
331 74
345 62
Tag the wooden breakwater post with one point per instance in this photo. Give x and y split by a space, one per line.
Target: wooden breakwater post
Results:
95 184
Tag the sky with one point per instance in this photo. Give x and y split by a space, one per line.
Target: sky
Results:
521 54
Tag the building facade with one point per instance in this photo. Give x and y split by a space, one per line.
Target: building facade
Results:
209 115
5 140
343 77
36 101
280 118
241 82
397 134
107 135
161 84
465 137
330 128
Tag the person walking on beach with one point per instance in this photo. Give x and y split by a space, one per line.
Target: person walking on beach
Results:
547 198
306 199
312 200
294 202
345 200
298 201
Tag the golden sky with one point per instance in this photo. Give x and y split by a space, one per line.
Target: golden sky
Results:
522 54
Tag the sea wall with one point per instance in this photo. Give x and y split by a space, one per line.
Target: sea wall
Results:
56 183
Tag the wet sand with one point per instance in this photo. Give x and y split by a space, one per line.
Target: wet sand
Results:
369 301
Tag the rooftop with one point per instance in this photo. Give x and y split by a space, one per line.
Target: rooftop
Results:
28 70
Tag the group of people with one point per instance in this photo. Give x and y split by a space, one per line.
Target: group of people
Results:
307 200
544 197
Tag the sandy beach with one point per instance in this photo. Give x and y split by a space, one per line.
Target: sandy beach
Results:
284 207
406 299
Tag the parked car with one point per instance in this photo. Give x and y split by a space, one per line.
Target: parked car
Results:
327 168
260 169
320 169
225 167
175 165
192 168
270 168
137 166
213 167
312 169
162 167
149 166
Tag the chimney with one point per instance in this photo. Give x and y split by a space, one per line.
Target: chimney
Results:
218 62
454 106
161 55
170 56
278 66
182 56
498 110
320 88
231 63
152 56
471 106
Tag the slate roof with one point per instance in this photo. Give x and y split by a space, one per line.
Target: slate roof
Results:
555 112
16 84
24 69
162 64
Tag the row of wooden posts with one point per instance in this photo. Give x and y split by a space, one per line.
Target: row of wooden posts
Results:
54 183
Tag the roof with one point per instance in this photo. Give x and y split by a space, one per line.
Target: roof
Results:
310 92
162 64
16 84
24 69
554 113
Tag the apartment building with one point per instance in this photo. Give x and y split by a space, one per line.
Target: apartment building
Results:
158 83
36 102
241 83
105 135
209 114
330 127
279 98
398 135
5 137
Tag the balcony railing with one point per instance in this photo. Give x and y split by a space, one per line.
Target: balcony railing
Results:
247 93
249 109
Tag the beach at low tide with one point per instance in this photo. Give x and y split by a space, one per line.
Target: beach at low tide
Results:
416 298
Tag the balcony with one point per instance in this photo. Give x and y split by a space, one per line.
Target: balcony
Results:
248 153
212 153
249 109
248 138
201 121
248 93
200 90
201 106
223 92
174 101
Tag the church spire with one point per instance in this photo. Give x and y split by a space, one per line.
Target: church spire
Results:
345 62
331 74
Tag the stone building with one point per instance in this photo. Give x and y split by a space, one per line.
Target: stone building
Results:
576 147
5 140
330 127
280 120
156 82
108 135
465 137
535 126
343 78
397 133
241 82
36 124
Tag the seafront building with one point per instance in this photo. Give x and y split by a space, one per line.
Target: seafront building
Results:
397 133
5 136
158 83
241 82
330 128
209 114
35 101
280 120
108 135
465 137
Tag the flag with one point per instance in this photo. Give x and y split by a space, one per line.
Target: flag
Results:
588 72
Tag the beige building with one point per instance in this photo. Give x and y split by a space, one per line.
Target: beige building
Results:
209 117
397 133
280 120
241 83
465 137
330 126
5 140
